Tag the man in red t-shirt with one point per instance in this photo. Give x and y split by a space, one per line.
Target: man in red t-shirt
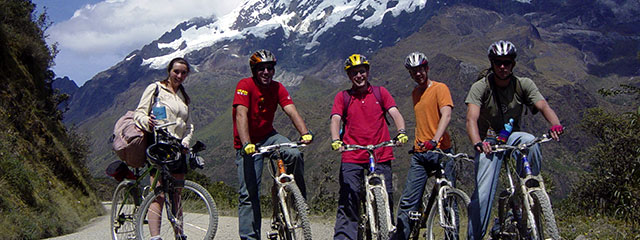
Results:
365 125
254 104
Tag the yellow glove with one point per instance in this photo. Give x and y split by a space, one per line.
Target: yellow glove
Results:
307 137
402 138
249 148
336 144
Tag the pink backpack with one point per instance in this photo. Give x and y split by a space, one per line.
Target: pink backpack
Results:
129 141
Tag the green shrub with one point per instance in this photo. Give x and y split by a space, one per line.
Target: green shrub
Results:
612 186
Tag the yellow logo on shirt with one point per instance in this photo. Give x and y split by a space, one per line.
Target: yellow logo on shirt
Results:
242 92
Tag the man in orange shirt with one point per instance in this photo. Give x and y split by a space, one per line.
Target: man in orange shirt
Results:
432 105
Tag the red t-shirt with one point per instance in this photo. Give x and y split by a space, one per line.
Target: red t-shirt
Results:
365 124
262 103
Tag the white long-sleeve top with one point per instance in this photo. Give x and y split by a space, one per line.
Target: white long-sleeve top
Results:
176 107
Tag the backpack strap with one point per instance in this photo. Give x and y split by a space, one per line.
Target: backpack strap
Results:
155 95
378 95
346 98
524 99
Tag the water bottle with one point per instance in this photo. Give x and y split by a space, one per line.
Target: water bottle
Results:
506 131
491 136
159 110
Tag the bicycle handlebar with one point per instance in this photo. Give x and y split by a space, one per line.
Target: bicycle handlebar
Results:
273 147
463 156
522 146
352 147
165 125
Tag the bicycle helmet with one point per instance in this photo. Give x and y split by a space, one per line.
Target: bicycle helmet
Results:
261 56
415 59
164 153
355 60
502 49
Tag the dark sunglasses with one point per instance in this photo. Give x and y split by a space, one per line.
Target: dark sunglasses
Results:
503 62
262 67
353 72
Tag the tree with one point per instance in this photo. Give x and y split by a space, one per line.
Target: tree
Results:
612 187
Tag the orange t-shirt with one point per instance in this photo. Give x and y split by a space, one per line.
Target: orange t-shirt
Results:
426 105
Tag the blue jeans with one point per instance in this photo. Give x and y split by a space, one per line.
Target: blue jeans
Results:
249 176
487 172
351 186
422 163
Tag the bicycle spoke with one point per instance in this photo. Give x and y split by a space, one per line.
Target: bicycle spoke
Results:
193 215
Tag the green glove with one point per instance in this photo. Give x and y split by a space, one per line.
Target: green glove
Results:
336 144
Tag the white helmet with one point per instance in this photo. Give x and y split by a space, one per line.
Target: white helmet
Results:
502 49
261 56
415 59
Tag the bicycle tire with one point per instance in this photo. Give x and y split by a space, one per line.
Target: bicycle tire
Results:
544 218
298 215
453 225
123 212
199 214
380 212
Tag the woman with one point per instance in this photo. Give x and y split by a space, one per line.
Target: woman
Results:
172 96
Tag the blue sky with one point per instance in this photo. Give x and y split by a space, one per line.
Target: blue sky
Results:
93 35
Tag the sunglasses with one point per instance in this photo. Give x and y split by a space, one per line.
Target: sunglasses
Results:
354 72
502 62
263 67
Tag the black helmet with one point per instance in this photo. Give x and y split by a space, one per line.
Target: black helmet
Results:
502 49
261 56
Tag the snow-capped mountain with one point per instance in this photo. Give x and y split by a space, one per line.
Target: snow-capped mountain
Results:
311 39
300 28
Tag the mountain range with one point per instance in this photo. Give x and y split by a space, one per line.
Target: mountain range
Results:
570 48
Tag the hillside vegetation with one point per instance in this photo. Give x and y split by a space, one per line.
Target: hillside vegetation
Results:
45 186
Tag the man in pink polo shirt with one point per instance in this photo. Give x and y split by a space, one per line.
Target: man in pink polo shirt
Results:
364 125
254 105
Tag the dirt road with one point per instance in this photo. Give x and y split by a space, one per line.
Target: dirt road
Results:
98 229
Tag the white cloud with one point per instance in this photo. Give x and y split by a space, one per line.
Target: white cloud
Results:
114 28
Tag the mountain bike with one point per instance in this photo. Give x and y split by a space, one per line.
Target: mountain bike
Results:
375 222
291 213
445 201
524 208
190 209
125 204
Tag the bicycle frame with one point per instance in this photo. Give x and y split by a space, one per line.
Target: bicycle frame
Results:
522 188
373 180
436 195
280 176
162 172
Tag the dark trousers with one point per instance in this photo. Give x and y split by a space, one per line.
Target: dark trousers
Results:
422 163
351 186
249 175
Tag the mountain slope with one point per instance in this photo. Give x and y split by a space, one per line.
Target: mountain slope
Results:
455 38
46 189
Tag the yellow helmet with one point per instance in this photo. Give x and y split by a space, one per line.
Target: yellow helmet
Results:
355 60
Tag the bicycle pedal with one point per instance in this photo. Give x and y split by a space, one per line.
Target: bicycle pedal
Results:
272 235
414 215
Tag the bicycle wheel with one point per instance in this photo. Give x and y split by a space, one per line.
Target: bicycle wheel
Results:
195 214
451 210
297 225
380 210
123 211
544 218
